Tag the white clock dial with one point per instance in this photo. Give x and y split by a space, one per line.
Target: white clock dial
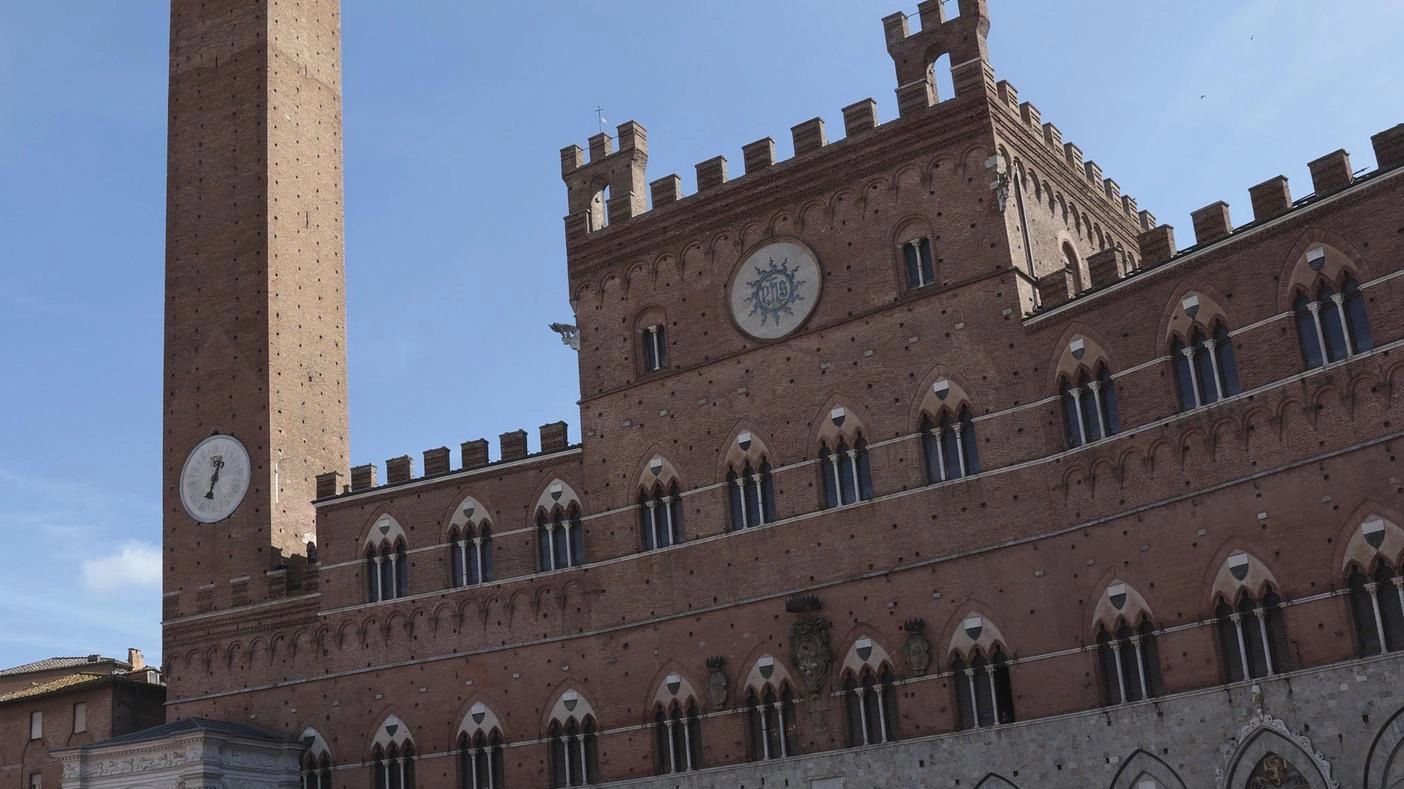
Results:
215 478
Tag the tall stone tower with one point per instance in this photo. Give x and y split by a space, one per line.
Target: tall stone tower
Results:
255 345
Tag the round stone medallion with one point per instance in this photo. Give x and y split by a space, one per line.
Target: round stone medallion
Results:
775 290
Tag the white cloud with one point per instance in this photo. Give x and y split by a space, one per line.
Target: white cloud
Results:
134 565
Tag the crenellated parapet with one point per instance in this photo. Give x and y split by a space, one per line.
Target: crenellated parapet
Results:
964 39
1070 160
1270 200
610 187
512 447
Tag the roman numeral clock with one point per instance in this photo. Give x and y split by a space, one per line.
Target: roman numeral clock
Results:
215 478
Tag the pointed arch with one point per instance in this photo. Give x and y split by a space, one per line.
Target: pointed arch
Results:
995 781
1271 741
1142 765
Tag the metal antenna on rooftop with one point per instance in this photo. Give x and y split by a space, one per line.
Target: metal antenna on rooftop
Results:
600 118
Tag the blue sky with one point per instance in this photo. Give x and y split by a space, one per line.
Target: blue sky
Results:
454 115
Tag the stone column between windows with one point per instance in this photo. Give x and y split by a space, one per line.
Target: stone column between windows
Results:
1237 620
994 695
1077 409
853 462
379 580
1210 345
780 721
1120 673
1339 300
974 699
755 479
687 744
1141 664
1263 633
960 445
1096 387
462 561
672 750
882 713
741 493
862 713
667 504
478 554
1374 590
1188 353
1315 309
940 453
550 546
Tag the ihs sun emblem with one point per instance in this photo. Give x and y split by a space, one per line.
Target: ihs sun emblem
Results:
774 291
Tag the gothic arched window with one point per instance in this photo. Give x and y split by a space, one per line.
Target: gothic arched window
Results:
870 703
677 738
751 495
846 475
948 446
661 516
574 758
392 767
984 695
316 770
1332 325
387 570
1130 665
560 539
770 722
470 554
1377 603
1251 636
1205 369
1090 407
480 760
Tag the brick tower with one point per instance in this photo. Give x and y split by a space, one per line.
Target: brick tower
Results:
255 305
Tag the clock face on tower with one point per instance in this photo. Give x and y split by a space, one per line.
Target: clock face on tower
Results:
215 478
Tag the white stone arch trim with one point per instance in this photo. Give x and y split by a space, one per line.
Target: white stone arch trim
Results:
479 718
659 470
1140 767
674 688
558 494
571 703
385 530
1263 735
767 670
745 445
1242 570
976 631
1375 536
839 421
866 652
391 731
1131 610
470 514
315 742
1384 765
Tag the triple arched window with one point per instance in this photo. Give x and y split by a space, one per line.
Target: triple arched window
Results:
846 475
1331 322
1251 635
770 722
392 766
1089 406
575 759
480 760
1205 368
751 495
1130 665
470 554
870 701
948 445
387 570
560 540
661 516
984 695
316 770
1377 602
677 738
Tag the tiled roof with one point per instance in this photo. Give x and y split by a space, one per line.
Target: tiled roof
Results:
59 663
62 683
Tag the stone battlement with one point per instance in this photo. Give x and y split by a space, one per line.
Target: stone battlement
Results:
512 447
608 187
